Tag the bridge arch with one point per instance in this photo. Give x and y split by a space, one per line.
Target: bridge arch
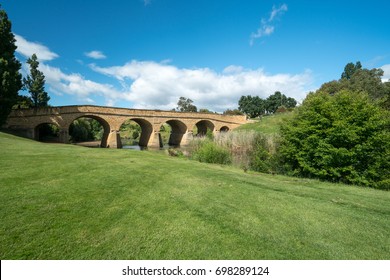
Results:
47 132
204 125
103 122
146 130
178 130
224 129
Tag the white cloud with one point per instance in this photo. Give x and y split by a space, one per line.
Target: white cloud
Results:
266 27
95 55
277 11
386 74
27 49
151 85
75 84
158 85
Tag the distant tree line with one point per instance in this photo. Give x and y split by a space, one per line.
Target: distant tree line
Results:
254 106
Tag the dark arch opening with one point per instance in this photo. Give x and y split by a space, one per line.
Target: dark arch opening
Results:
139 130
224 129
47 132
172 132
203 128
89 130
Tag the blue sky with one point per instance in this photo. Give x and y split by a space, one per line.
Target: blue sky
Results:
148 53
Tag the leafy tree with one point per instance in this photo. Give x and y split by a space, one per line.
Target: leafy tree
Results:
290 102
358 79
10 78
251 106
350 69
185 105
35 84
276 100
205 111
342 137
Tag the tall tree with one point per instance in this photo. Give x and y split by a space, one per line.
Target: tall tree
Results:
35 84
10 78
185 105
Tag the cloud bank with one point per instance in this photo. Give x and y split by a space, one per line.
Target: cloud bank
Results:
149 84
158 85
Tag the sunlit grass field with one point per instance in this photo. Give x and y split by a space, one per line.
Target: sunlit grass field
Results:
267 124
69 202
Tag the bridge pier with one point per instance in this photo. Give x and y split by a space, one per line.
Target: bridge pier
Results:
64 136
114 140
187 137
155 141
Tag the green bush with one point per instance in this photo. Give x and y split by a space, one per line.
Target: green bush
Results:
260 155
343 137
210 152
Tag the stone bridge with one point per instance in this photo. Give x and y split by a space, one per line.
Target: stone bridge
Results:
28 122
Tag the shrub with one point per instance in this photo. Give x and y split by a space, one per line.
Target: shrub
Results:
342 137
261 154
210 152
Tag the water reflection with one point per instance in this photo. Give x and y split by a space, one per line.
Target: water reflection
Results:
134 147
140 148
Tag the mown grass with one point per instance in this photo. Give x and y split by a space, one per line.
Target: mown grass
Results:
68 202
267 124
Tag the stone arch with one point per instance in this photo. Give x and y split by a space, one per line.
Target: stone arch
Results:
224 129
178 129
42 132
146 130
104 123
203 126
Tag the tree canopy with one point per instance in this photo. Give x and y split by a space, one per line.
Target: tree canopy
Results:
10 78
276 100
185 105
350 69
252 106
358 79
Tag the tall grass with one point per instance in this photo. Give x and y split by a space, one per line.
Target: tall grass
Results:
246 149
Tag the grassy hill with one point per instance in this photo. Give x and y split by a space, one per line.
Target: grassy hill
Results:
68 202
267 124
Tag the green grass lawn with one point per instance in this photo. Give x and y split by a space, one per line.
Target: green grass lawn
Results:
68 202
267 124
